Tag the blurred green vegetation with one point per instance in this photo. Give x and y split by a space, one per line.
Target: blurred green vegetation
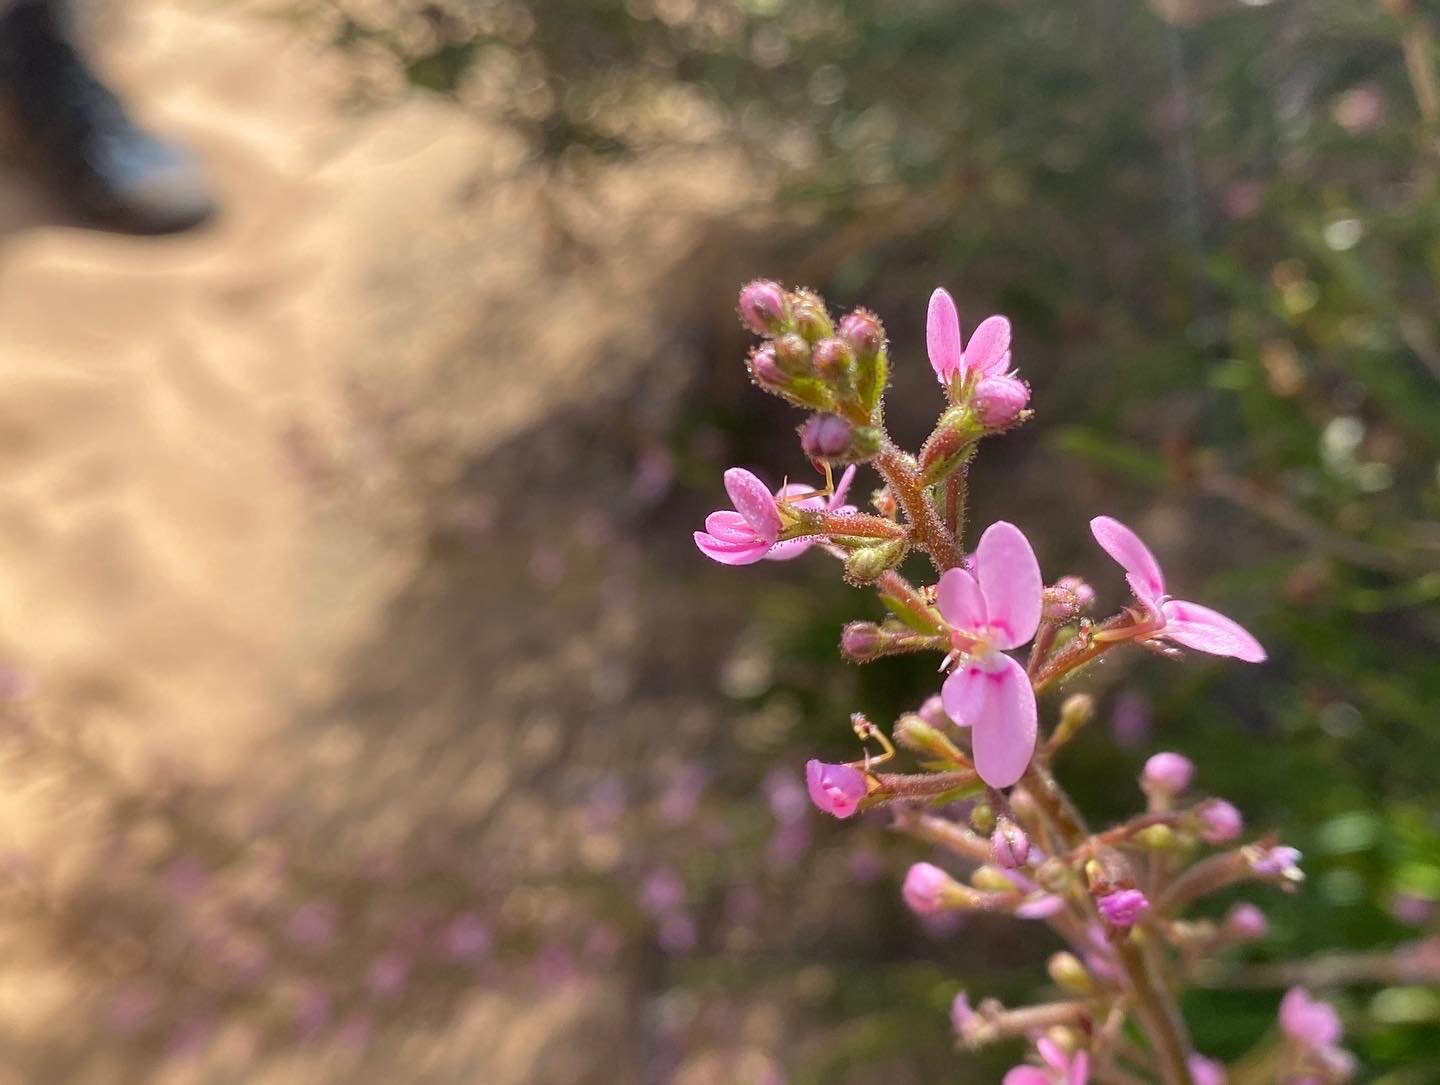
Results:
1215 226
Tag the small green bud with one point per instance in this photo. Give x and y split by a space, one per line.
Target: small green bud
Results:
1069 974
867 564
992 878
982 818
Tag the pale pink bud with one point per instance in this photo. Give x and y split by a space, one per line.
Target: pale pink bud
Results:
859 641
825 436
831 357
862 330
999 400
792 353
1205 1071
1123 907
1167 774
1221 822
762 306
835 789
765 369
1009 846
1084 593
925 888
933 712
1246 922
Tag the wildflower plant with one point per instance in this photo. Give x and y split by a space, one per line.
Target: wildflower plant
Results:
982 790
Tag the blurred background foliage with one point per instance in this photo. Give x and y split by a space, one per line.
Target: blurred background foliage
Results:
1215 227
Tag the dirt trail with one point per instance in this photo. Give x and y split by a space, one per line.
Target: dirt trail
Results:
227 461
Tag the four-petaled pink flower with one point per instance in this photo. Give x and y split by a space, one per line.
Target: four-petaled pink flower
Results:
1187 624
986 355
1061 1067
989 692
835 789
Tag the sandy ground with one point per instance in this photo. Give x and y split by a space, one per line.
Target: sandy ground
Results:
273 500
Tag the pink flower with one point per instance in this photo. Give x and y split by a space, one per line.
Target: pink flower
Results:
997 608
1187 624
835 789
962 1014
1312 1024
1246 922
746 535
925 888
1278 862
1061 1068
988 353
1123 908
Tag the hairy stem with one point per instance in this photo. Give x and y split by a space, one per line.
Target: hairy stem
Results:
929 532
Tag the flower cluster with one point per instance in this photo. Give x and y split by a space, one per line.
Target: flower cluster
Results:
1119 897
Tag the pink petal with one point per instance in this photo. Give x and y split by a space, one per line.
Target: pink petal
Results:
942 335
1052 1054
1206 630
1079 1068
730 553
754 501
960 600
795 489
1003 733
842 488
964 694
988 352
1026 1075
1122 544
730 527
1041 907
1010 582
790 549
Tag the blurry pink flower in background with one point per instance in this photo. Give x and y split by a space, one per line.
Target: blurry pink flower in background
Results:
1123 908
989 692
661 892
1187 624
468 937
388 976
1312 1024
1131 719
313 926
682 795
1220 822
131 1009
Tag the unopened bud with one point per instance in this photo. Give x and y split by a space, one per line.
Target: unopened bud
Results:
992 879
915 734
1123 907
860 641
1156 837
982 818
826 437
1069 974
1246 922
832 359
764 368
863 331
762 307
1084 593
1053 875
792 353
1167 774
1009 846
999 401
807 313
933 712
1220 822
928 890
869 562
1076 711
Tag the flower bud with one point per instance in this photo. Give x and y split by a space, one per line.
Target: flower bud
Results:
1123 907
915 734
998 401
867 563
1277 862
835 789
1167 774
933 712
832 359
864 333
1220 822
1069 974
763 307
927 888
1009 845
807 313
764 369
1156 838
1246 922
792 354
1076 711
1053 875
860 641
1084 593
825 437
992 879
982 818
